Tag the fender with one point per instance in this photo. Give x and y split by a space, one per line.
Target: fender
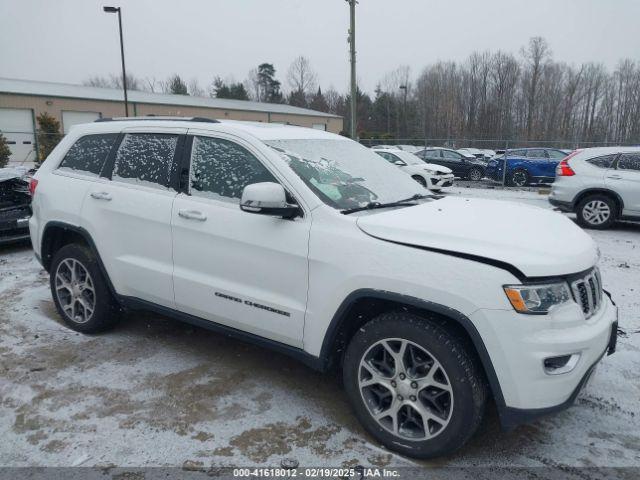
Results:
341 316
86 236
605 191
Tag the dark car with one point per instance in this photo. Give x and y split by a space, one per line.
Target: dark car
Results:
15 206
462 166
526 166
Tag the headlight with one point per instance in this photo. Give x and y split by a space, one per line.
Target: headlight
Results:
538 299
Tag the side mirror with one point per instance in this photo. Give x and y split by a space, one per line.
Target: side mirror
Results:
399 163
267 198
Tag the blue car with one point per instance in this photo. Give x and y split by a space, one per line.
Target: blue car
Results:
526 166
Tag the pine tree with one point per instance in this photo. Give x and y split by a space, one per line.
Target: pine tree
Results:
319 103
5 152
177 86
269 86
48 136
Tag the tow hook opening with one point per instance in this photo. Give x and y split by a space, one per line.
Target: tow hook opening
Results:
561 364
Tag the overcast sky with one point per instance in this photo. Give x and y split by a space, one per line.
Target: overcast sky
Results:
70 40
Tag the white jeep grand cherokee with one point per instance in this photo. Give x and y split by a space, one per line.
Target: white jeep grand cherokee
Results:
311 244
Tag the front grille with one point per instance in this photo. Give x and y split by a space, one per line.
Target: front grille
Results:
587 291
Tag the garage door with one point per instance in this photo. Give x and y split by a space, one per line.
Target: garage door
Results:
71 118
16 124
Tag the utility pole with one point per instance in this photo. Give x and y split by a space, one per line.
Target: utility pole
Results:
352 44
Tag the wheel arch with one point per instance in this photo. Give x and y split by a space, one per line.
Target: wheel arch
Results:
599 191
58 234
362 305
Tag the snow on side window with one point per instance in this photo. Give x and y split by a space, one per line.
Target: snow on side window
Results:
602 162
88 154
145 159
221 169
629 161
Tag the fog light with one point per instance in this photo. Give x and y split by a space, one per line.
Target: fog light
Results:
561 364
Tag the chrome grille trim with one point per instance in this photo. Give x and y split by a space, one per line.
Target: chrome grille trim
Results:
587 292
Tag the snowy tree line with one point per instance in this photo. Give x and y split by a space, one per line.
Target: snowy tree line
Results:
491 97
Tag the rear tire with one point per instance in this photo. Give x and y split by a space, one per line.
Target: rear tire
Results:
475 174
598 212
436 378
80 291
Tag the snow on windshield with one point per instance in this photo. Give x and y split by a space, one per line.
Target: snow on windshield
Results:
344 174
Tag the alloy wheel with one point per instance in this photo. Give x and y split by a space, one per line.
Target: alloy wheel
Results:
596 212
475 174
405 389
75 290
519 179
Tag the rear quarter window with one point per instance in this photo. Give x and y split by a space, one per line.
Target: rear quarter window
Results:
605 161
89 154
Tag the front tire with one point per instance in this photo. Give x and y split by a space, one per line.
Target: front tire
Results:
598 212
80 291
413 385
420 180
519 178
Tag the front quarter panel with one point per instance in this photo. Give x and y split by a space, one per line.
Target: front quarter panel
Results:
344 259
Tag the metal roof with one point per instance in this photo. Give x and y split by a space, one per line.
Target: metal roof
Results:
65 90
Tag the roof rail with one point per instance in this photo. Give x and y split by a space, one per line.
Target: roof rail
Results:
154 117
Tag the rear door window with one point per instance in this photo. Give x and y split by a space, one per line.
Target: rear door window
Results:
605 161
89 154
145 159
556 154
629 161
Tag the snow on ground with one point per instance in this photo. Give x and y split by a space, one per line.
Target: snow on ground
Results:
155 392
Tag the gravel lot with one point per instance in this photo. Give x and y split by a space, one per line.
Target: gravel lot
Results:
155 392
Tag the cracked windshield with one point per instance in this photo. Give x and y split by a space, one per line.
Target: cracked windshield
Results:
345 174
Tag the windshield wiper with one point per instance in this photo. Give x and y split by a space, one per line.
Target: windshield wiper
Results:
399 203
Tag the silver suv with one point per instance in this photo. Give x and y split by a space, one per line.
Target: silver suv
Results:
601 185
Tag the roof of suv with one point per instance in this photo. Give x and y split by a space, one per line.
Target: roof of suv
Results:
598 151
262 131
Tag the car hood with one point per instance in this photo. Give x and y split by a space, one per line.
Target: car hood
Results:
537 242
436 168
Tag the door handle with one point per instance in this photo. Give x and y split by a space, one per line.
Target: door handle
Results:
192 215
615 177
101 196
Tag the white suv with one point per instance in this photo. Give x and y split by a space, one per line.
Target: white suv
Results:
601 185
311 244
431 176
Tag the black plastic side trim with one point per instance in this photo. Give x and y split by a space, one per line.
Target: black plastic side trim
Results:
46 261
296 353
460 318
